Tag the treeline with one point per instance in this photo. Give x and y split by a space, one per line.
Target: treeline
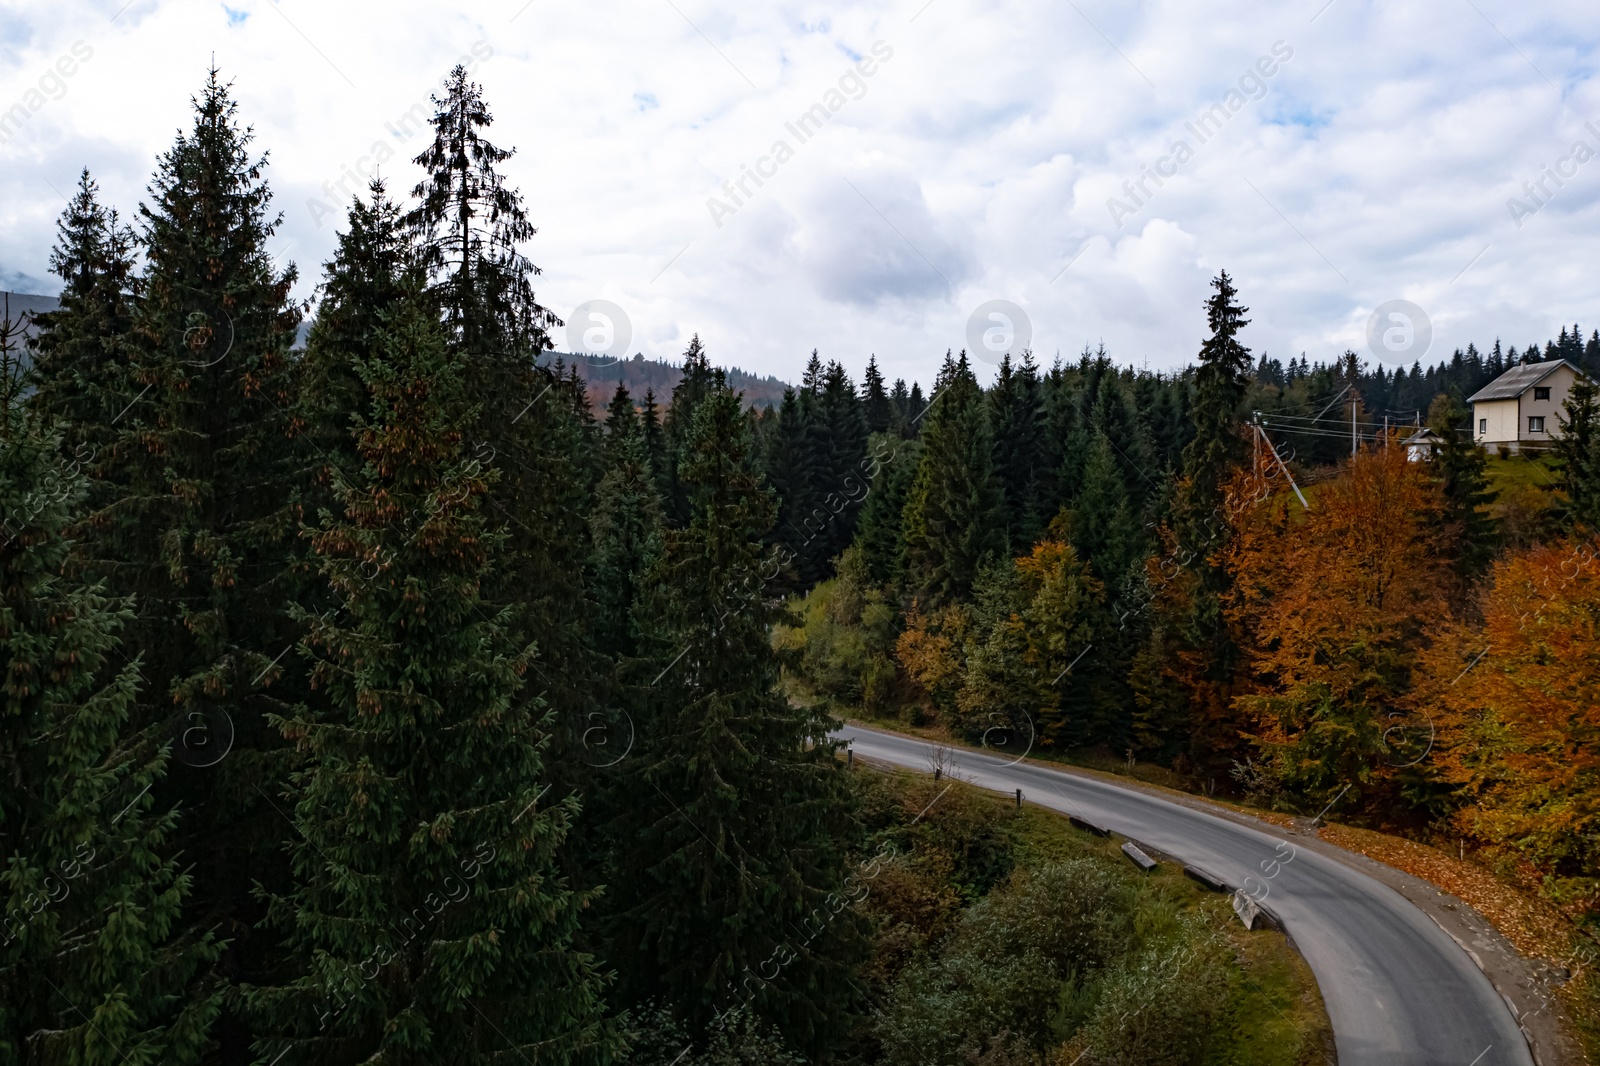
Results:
372 702
1157 574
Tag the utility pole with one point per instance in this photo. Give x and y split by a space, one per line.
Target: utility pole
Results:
1352 423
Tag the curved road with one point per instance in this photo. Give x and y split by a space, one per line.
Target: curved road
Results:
1398 990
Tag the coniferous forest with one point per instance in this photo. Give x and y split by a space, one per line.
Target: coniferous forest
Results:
373 700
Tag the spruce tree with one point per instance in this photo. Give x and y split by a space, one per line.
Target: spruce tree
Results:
94 965
1578 452
626 527
953 517
740 832
1458 464
790 473
842 440
1217 449
81 351
655 446
531 421
894 464
900 409
427 916
201 525
373 266
693 387
1016 410
874 400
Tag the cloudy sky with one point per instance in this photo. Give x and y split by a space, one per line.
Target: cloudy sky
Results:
1331 156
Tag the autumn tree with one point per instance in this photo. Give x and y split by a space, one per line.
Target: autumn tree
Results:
1332 605
1518 704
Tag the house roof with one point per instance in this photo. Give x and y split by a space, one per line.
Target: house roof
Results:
1519 379
1425 435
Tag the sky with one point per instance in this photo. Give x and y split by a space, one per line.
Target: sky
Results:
1090 165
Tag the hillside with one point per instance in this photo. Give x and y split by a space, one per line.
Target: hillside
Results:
603 375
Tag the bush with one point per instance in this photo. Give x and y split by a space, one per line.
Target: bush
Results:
1074 955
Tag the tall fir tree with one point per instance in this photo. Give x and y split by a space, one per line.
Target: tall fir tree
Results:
1016 410
469 226
427 914
900 409
1578 452
790 473
874 400
201 525
842 441
744 817
374 266
1458 464
655 445
626 526
1210 654
81 349
95 965
894 463
1217 449
953 518
692 388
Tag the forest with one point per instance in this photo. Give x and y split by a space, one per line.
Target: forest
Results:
376 701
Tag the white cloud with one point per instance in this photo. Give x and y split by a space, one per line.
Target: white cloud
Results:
1381 158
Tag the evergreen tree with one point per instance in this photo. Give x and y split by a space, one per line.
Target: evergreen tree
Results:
655 446
94 967
900 409
718 879
842 441
373 267
790 473
81 351
916 407
1104 531
427 915
687 394
1216 451
874 400
469 225
626 526
1458 464
201 526
1016 410
894 465
953 518
531 422
1578 451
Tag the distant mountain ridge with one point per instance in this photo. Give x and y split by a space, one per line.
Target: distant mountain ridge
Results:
602 376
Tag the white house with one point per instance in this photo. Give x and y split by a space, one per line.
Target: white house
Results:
1518 410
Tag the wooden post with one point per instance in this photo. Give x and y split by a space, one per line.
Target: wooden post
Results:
1019 797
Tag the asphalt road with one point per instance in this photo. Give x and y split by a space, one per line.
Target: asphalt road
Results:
1398 990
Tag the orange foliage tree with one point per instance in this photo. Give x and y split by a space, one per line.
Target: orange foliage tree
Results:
1518 705
1330 606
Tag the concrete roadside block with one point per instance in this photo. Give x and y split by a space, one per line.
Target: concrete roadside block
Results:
1137 855
1088 826
1255 915
1196 874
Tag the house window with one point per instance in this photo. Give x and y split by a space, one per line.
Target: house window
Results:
1483 427
1535 423
1541 392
